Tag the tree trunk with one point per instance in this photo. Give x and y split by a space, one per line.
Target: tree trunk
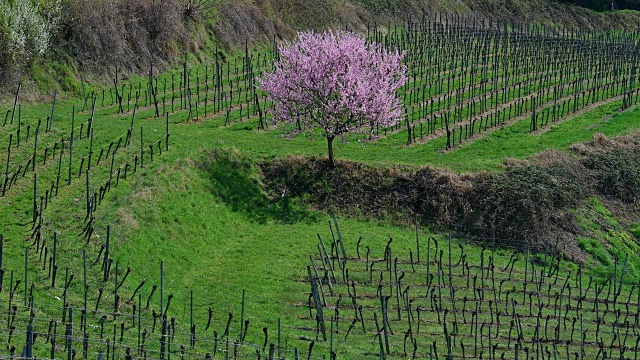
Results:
330 145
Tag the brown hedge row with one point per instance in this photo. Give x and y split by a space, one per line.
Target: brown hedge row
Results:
530 203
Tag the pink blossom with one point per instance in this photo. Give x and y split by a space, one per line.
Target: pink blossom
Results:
338 82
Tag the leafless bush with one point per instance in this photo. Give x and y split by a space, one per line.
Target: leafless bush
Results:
306 14
159 18
527 202
101 33
242 22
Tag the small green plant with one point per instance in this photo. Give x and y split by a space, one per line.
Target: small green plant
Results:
594 248
49 75
635 230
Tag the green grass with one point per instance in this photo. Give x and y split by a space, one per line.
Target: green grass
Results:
207 246
50 75
217 248
607 242
218 235
484 154
594 248
635 230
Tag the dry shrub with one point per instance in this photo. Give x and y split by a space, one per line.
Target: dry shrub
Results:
306 14
6 73
260 20
246 22
580 149
614 165
400 9
602 143
359 188
510 163
161 20
353 17
129 33
525 202
528 202
437 197
617 173
555 157
601 140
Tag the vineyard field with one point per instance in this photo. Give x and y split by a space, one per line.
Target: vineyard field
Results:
122 235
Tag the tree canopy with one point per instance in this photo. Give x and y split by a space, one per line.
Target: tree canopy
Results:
338 82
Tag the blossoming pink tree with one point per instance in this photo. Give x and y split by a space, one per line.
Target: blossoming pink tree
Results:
338 82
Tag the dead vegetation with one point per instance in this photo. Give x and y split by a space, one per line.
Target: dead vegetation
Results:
531 203
130 34
94 37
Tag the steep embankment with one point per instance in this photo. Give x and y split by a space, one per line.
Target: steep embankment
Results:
50 44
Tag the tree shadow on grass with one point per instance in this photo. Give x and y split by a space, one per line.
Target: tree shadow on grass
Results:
235 179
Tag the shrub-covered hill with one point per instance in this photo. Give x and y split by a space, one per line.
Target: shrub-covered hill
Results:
49 43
